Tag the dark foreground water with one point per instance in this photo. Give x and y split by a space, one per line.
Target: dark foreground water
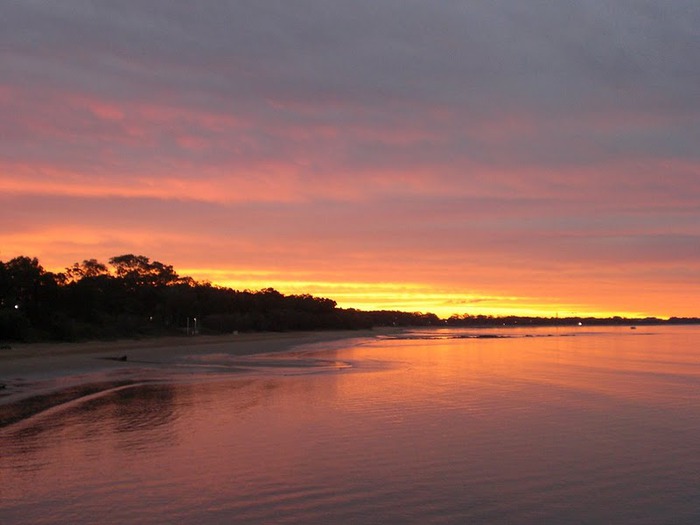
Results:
541 426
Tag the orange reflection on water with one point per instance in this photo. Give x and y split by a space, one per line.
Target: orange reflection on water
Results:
552 424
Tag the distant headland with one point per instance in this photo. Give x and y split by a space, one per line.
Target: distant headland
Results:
135 297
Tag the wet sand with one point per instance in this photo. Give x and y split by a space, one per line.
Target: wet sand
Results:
36 377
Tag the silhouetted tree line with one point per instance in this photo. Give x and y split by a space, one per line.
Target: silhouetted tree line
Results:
133 296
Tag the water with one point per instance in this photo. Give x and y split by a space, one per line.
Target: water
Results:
538 426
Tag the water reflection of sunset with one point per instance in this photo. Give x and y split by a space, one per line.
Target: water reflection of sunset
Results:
532 423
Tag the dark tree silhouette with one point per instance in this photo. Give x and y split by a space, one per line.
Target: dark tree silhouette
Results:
141 297
89 268
138 270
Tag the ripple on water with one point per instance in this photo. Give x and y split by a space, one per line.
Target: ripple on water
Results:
510 430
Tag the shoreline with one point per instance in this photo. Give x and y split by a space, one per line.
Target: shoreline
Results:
37 377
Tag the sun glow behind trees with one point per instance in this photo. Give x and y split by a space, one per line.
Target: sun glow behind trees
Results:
135 296
407 297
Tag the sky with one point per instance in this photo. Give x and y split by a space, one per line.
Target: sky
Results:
455 157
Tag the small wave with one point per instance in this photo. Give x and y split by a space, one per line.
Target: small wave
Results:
28 407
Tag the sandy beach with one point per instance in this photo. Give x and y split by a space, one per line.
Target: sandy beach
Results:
35 377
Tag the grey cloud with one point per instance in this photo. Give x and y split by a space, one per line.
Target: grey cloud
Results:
544 53
380 66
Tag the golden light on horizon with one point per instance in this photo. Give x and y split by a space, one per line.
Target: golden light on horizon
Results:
401 296
494 296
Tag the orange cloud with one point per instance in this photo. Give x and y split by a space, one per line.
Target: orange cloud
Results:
373 169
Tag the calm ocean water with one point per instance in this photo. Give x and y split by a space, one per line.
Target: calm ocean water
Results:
538 426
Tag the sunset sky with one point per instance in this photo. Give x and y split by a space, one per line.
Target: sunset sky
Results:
455 157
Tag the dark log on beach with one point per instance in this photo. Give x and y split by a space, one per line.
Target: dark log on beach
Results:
115 358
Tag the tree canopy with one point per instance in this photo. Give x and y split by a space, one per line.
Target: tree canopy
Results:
133 296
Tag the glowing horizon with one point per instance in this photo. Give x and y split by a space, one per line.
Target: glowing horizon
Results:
406 297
